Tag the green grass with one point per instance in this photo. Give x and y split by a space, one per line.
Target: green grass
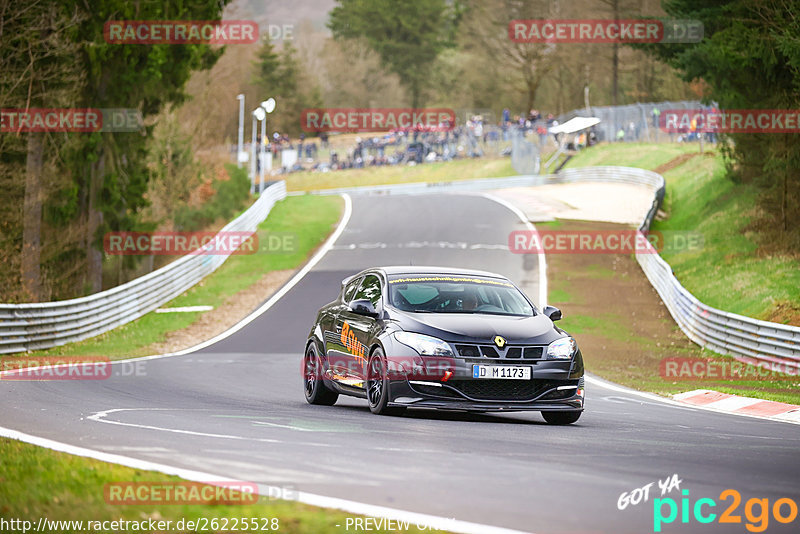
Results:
560 296
639 367
445 171
40 483
309 219
728 272
642 155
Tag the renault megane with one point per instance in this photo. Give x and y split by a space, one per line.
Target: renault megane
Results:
442 338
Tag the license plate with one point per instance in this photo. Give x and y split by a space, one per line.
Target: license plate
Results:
504 372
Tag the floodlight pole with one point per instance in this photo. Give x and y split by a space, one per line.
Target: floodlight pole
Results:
253 158
240 145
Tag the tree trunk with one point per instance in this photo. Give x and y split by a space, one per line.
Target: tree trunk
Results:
32 219
615 59
94 256
415 95
533 88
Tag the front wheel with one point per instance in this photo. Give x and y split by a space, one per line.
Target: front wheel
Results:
378 385
316 391
561 418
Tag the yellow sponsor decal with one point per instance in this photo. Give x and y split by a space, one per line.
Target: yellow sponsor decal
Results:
351 343
451 279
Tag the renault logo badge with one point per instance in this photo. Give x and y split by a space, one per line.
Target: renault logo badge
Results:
499 341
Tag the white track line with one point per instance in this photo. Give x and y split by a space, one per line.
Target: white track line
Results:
542 263
353 507
348 211
605 383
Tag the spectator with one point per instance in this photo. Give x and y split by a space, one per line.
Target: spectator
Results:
656 114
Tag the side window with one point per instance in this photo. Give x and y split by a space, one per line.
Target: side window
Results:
370 289
349 290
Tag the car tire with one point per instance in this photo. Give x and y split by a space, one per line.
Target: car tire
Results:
561 418
316 392
377 385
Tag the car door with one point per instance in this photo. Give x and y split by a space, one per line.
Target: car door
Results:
355 330
335 349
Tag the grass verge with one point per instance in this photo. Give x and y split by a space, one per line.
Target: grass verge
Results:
39 483
445 171
731 271
307 221
642 155
626 333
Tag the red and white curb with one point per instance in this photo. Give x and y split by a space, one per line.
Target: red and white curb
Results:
723 402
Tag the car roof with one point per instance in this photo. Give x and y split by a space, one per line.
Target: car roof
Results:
427 269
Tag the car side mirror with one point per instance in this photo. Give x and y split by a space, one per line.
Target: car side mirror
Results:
552 312
363 307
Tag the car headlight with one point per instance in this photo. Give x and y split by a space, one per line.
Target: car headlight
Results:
562 349
424 345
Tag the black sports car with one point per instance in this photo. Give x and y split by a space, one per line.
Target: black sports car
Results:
451 339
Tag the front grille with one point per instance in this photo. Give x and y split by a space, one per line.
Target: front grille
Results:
489 352
468 351
533 353
530 352
502 390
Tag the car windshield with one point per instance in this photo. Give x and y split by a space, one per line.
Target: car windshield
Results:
457 294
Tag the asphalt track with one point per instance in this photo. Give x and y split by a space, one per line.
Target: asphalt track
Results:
236 409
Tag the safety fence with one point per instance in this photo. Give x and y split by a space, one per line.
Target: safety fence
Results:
637 122
726 333
742 337
25 327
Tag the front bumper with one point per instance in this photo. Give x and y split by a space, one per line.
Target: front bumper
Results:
536 395
447 383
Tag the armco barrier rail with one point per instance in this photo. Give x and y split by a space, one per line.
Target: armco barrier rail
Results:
43 325
727 333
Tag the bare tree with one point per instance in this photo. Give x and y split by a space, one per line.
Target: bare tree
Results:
487 32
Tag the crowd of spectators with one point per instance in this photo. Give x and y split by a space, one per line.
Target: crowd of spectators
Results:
412 146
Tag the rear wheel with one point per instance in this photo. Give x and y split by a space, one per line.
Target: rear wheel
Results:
561 418
315 389
377 385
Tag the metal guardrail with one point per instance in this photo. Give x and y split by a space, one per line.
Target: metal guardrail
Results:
26 327
37 326
421 188
742 337
726 333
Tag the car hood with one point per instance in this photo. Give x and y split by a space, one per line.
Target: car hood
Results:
480 328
